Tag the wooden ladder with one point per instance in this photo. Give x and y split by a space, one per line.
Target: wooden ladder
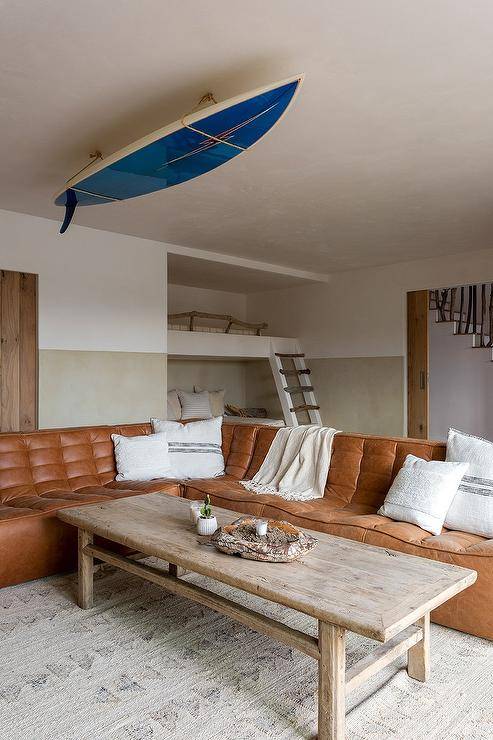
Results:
297 396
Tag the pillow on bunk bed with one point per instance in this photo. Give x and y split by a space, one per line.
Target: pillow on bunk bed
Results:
195 449
173 406
195 405
216 400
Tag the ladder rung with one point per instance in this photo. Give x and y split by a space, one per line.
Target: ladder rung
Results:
305 407
292 389
305 371
282 354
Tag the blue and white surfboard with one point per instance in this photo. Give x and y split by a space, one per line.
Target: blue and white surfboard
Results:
196 144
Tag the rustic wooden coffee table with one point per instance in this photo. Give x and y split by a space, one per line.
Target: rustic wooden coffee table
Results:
381 594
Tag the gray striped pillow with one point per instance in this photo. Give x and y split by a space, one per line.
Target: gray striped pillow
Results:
195 405
472 508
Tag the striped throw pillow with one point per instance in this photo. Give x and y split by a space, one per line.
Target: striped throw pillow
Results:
472 508
195 405
194 449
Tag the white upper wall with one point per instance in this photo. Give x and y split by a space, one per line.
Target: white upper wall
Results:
183 298
362 313
97 290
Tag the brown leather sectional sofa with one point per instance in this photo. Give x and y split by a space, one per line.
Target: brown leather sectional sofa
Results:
44 471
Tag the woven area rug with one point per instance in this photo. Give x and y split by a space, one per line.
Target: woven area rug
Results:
146 665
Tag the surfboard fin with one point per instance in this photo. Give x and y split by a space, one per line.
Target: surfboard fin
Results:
70 207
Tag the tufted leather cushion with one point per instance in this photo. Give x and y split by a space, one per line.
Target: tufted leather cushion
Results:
227 493
45 471
173 488
240 450
263 441
363 468
66 460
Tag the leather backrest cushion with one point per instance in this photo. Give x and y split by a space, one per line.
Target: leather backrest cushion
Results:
65 459
227 431
240 450
363 468
265 435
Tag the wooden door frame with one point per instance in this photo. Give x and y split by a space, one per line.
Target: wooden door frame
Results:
19 369
417 364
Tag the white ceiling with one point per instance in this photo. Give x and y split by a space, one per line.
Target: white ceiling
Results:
387 154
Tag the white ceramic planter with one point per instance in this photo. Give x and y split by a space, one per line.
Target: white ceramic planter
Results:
206 526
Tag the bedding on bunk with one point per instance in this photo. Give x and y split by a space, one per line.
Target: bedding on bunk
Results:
253 420
183 405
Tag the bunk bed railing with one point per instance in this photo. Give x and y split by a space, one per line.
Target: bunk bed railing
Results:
231 322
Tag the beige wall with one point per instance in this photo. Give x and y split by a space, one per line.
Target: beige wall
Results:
210 375
77 388
360 394
102 319
246 383
261 389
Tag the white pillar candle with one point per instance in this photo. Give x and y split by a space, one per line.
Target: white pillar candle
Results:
195 511
261 527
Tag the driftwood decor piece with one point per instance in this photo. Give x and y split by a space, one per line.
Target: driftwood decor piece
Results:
283 542
191 316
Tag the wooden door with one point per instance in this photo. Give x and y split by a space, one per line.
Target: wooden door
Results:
18 351
417 364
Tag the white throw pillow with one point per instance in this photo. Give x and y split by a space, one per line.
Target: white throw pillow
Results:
216 400
422 492
195 405
141 458
194 449
472 508
174 406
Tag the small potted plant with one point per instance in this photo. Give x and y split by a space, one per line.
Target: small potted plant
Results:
206 523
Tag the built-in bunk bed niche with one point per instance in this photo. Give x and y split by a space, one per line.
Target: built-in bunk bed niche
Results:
213 346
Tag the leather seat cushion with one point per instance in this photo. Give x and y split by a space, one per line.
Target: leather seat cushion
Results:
158 485
354 520
32 505
228 493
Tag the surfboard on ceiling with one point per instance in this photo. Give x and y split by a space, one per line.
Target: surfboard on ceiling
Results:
188 148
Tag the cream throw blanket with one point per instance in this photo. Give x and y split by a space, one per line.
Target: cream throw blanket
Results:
296 465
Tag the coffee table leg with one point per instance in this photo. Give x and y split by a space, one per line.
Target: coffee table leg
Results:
331 682
176 570
418 657
86 571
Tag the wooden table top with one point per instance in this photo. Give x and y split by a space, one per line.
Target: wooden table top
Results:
369 590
